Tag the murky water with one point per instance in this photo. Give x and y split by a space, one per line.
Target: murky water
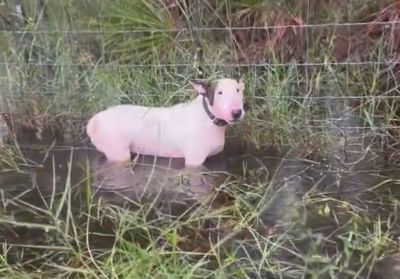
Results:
354 178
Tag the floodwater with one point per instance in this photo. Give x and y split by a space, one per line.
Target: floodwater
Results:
352 178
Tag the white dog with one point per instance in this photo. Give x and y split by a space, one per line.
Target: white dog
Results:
194 130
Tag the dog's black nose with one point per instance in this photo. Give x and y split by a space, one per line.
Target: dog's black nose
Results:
236 113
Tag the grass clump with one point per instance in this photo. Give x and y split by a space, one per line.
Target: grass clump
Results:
140 31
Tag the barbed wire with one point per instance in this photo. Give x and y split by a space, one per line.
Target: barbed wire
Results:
204 29
330 123
291 64
326 123
325 97
335 126
320 123
280 97
66 147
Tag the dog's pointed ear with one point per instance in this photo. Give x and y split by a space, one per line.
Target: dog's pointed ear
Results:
200 86
239 80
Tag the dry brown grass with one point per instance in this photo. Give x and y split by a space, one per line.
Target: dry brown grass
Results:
289 42
284 43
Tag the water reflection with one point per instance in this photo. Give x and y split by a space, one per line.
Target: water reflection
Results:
148 178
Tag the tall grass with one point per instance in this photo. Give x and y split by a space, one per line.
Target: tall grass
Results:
72 74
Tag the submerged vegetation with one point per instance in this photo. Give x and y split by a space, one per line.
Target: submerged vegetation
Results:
310 187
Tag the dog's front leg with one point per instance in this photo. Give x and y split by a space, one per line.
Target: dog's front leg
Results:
194 168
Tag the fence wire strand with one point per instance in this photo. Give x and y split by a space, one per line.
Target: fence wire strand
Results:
206 29
233 65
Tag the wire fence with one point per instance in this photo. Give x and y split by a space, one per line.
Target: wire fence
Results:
388 24
387 65
227 65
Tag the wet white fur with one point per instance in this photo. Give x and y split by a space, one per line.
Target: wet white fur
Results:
183 130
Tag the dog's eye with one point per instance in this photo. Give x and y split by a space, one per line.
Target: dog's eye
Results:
220 92
237 90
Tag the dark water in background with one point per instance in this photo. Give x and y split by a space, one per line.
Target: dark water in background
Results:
362 179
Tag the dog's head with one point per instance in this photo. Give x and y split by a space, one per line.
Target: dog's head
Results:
224 96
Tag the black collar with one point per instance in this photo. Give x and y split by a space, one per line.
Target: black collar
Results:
217 121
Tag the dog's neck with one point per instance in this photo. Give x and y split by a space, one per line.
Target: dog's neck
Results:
217 121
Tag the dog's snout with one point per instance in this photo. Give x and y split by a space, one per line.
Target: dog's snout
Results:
236 113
